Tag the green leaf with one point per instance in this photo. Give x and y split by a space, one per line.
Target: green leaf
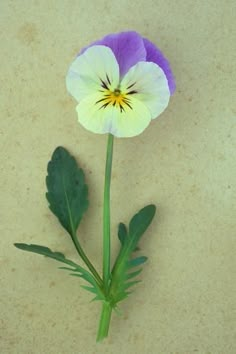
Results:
94 290
121 272
74 267
122 233
67 192
89 288
139 224
45 251
137 261
131 283
134 274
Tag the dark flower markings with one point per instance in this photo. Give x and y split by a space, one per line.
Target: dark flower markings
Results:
104 85
108 80
125 100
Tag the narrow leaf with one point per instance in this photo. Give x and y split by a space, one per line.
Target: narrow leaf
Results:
131 283
85 275
82 273
45 251
122 233
134 274
74 267
67 192
98 298
139 224
137 261
121 269
66 268
89 288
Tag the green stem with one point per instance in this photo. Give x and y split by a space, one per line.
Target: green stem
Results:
106 215
104 321
86 260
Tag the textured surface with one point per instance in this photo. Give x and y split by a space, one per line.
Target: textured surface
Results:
184 162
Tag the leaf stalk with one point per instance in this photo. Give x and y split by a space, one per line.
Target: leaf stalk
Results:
86 260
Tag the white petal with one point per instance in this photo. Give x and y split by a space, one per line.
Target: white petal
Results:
151 85
110 119
93 117
133 121
88 69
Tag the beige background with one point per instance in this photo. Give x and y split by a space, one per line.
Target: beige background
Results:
184 162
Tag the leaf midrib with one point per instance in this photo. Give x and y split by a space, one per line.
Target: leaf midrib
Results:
68 207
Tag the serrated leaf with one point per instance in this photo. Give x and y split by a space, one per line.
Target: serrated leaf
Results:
121 274
67 192
45 251
74 267
93 290
84 274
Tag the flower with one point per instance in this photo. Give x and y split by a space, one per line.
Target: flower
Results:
121 83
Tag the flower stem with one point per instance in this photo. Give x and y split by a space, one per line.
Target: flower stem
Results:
106 215
104 321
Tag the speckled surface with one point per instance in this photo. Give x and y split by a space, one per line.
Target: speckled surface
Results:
184 162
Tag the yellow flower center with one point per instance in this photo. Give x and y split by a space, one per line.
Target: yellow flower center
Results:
115 98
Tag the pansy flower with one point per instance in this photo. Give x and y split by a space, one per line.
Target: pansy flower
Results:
121 83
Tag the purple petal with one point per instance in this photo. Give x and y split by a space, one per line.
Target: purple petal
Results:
155 55
128 48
